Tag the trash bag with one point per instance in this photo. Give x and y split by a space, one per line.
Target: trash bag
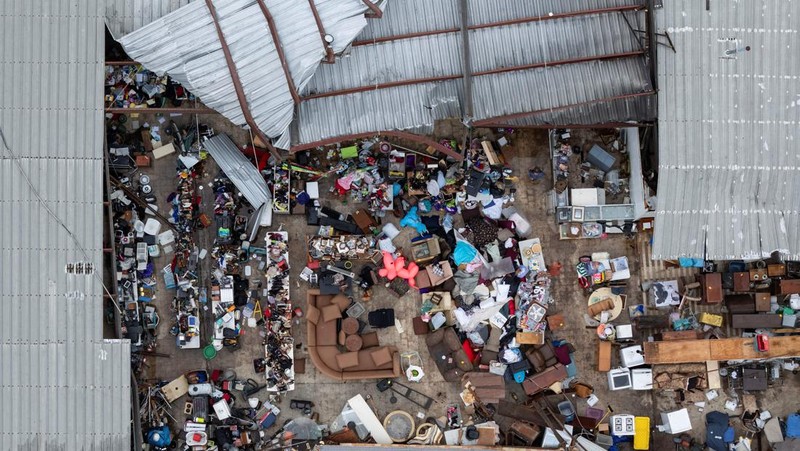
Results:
716 428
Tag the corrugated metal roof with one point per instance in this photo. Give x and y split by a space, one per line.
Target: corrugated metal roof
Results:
125 16
70 395
239 169
412 108
186 45
729 169
397 75
62 386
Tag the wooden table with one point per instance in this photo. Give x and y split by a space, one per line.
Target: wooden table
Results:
699 351
602 293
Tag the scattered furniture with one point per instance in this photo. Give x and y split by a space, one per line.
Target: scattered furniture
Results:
447 352
350 326
701 351
603 355
712 287
364 221
425 250
381 318
740 303
542 356
741 281
763 302
541 381
323 314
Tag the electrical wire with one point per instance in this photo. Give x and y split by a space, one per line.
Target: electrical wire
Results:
54 216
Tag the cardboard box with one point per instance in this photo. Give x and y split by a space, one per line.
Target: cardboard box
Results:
530 338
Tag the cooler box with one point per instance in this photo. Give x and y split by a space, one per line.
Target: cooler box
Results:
641 435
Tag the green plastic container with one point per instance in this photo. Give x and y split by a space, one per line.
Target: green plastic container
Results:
209 352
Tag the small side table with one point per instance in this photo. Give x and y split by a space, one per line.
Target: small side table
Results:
353 343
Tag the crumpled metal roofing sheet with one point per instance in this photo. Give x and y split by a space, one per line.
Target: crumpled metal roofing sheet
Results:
424 59
729 170
62 386
239 169
186 45
125 16
412 108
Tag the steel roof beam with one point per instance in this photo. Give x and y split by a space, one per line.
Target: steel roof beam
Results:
415 81
503 23
237 83
374 10
329 56
279 48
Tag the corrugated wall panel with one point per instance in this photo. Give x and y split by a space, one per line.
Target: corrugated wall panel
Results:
64 387
729 169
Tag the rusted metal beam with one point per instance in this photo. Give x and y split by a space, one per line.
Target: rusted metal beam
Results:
122 63
507 117
190 110
585 59
592 126
390 133
415 81
279 48
237 84
330 58
375 11
503 23
392 84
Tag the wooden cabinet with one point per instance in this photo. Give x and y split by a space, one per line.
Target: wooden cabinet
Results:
762 302
758 275
712 287
741 281
787 286
776 270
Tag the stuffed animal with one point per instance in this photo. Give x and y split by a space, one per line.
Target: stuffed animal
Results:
396 267
411 219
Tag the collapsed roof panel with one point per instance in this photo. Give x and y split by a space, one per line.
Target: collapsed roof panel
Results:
564 63
262 36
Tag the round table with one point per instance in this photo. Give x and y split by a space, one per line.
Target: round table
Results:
400 426
353 343
350 326
603 293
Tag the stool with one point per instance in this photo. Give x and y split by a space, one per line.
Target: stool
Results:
350 326
353 343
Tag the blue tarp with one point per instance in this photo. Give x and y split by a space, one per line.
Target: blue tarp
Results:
793 425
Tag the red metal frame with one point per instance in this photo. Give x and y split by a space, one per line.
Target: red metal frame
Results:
374 10
237 84
330 58
279 48
415 81
391 133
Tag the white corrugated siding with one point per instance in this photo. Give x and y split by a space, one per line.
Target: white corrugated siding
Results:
729 169
62 386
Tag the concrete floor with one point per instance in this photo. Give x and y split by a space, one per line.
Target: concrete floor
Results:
528 149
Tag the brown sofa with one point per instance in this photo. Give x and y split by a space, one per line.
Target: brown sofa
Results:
445 349
323 347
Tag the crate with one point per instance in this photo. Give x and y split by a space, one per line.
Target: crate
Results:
710 319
